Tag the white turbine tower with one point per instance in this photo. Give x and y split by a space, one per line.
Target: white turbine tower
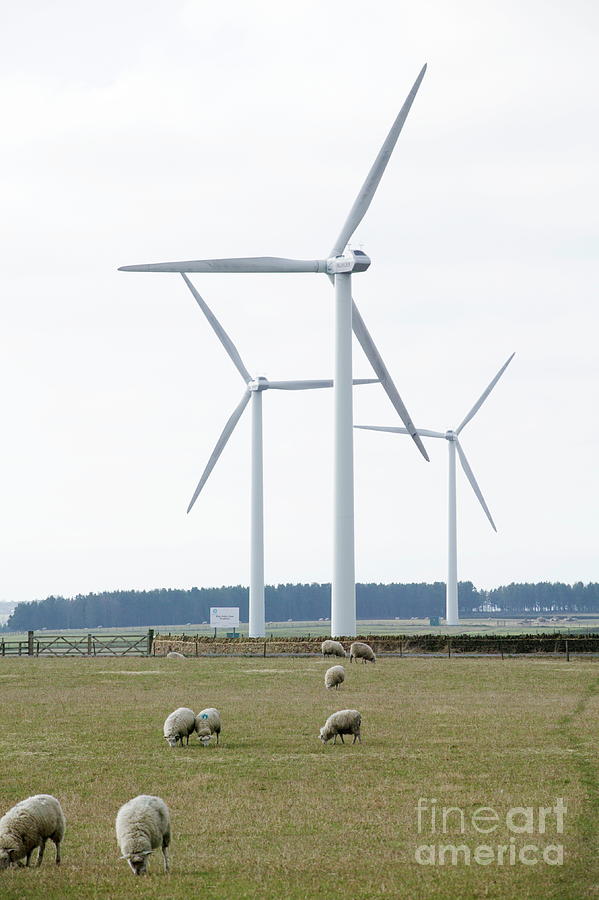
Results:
253 391
453 444
339 265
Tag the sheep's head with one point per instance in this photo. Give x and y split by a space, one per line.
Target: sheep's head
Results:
138 862
171 741
323 738
204 739
6 856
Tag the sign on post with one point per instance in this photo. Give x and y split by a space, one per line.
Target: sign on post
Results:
224 616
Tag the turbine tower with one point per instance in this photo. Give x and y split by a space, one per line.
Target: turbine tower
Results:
339 266
255 387
453 444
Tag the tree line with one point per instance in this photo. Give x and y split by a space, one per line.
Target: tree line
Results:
299 602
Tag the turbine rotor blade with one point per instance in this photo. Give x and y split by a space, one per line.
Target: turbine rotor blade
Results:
424 432
484 395
472 480
390 429
367 191
313 384
220 445
376 361
300 385
219 331
243 264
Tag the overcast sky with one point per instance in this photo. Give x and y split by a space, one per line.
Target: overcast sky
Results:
150 131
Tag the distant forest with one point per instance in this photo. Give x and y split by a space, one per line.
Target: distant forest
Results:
300 602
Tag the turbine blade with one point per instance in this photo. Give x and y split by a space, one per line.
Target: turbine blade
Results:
244 264
390 429
313 384
220 445
367 191
300 385
484 395
219 331
424 432
376 361
472 480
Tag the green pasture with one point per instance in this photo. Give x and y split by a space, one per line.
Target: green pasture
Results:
273 813
579 625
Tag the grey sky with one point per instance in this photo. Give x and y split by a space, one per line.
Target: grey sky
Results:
151 131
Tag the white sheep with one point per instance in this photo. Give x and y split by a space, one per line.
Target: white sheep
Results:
346 721
358 650
207 724
180 724
142 825
174 654
29 824
332 648
334 677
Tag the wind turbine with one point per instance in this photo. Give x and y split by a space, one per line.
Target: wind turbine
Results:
453 444
254 389
339 266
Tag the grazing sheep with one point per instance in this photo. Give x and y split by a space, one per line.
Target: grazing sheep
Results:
332 648
346 721
180 724
142 825
28 825
174 654
208 723
358 650
334 677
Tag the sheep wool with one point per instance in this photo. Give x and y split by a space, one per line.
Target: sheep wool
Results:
346 721
180 724
332 648
358 650
334 677
142 825
174 654
207 724
29 824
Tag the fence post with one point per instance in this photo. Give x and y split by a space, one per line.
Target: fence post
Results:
264 649
37 649
19 648
30 643
3 648
567 651
401 648
501 647
449 648
89 645
150 641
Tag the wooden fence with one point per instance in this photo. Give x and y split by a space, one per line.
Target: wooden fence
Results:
84 645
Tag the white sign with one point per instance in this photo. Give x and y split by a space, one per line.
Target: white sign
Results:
224 616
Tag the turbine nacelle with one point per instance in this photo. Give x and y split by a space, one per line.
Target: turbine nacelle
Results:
350 261
450 435
258 384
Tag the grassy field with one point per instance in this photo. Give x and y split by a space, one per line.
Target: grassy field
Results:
581 625
273 813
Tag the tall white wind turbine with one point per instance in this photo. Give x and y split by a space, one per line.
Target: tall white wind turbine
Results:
339 266
253 392
453 444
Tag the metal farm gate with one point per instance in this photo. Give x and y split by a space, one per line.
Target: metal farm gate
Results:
84 645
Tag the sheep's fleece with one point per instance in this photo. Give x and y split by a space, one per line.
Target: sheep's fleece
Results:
29 824
180 724
142 825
